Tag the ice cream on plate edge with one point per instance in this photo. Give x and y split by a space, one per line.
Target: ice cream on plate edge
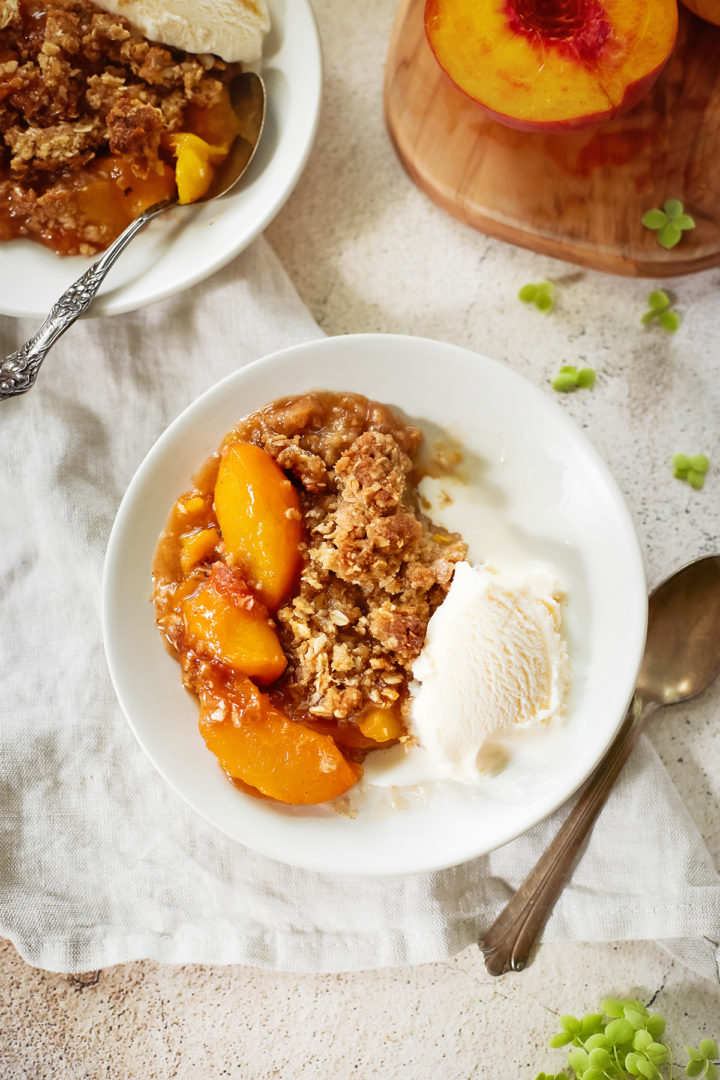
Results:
234 30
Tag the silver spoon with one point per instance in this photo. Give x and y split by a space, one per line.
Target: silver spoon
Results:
18 371
682 658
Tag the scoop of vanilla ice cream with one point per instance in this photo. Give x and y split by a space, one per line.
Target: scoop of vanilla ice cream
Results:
493 660
231 29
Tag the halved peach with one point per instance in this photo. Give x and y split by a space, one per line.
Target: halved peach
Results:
282 759
552 65
258 511
229 624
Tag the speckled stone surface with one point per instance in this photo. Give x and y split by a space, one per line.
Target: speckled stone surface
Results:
368 252
447 1021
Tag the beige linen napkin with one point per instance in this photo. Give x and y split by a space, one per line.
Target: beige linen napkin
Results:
100 862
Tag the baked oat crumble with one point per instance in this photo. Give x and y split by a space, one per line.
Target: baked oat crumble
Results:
373 567
374 575
81 92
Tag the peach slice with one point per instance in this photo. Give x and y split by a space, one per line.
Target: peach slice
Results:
109 195
280 758
258 511
194 165
381 725
347 736
204 144
706 9
552 65
196 546
229 624
217 124
191 504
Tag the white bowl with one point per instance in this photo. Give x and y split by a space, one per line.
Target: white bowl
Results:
190 243
545 484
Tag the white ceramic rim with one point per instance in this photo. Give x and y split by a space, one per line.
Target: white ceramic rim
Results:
618 695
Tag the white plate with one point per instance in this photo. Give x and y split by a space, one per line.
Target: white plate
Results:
546 485
187 244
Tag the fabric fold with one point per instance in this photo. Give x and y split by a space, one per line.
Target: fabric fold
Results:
100 862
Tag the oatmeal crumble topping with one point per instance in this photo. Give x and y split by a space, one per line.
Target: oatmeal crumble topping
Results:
374 568
79 86
374 575
295 581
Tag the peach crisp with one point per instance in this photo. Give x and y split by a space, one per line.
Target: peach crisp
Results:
97 123
294 582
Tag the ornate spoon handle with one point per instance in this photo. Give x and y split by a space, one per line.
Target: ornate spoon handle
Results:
507 944
19 371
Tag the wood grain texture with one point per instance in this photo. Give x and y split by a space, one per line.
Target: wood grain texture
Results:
577 196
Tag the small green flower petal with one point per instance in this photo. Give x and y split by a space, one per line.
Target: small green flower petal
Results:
598 1042
578 1059
649 316
658 300
635 1018
669 320
642 1040
684 221
567 370
619 1031
545 287
669 235
673 208
611 1006
528 293
680 474
652 219
631 1061
680 461
696 479
699 463
693 1054
593 1074
599 1058
544 301
561 1039
694 1068
711 1071
564 382
708 1047
586 378
656 1023
633 1003
657 1053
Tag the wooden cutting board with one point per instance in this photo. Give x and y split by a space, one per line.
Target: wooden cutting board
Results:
579 196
